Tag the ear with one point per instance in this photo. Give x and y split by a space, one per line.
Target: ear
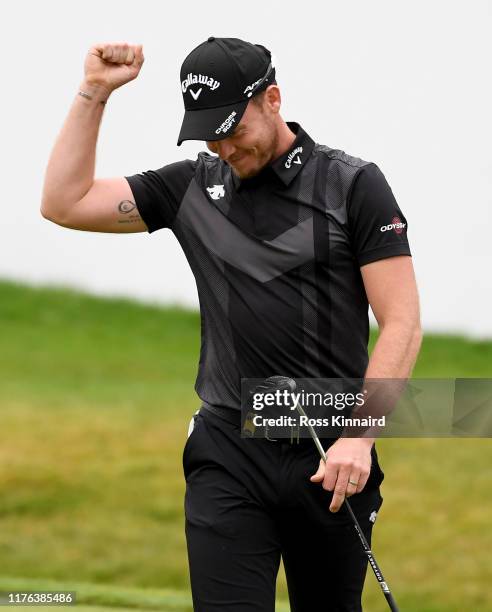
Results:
273 99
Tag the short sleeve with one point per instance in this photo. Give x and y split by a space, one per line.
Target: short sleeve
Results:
377 226
158 193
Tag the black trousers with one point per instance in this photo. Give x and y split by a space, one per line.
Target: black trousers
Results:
250 501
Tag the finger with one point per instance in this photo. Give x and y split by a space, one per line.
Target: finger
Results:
107 53
363 478
352 488
130 56
121 51
331 475
337 499
99 50
320 474
139 56
340 489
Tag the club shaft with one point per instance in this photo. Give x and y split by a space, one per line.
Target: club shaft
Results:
367 549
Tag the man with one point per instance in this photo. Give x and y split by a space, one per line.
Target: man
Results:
289 241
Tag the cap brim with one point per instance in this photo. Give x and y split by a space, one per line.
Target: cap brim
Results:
211 123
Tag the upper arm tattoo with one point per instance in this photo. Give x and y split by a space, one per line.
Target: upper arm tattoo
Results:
125 207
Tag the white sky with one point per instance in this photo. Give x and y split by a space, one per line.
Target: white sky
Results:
406 85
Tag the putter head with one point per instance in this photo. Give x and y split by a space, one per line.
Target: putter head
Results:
270 386
279 382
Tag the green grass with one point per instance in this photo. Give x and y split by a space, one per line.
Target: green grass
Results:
96 395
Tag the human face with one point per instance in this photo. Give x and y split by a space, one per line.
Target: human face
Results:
253 143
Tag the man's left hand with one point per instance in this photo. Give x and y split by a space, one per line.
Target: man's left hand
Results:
348 459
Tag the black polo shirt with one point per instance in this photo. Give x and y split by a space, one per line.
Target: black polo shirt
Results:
277 259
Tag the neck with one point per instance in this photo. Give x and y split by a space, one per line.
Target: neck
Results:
286 138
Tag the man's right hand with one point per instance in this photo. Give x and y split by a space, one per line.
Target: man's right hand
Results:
111 65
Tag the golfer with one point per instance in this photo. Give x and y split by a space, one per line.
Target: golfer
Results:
289 242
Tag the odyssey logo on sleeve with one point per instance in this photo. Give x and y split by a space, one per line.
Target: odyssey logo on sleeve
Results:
225 126
198 79
293 157
395 224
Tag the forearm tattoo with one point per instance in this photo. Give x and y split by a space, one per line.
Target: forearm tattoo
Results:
126 207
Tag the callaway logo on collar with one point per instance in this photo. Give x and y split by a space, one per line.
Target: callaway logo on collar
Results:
218 78
293 157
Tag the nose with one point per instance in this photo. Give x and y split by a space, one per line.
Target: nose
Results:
224 148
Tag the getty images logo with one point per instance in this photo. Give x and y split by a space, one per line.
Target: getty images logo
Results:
293 157
395 224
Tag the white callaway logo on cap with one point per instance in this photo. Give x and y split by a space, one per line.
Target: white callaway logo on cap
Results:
200 79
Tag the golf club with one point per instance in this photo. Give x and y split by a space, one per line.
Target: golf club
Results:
292 386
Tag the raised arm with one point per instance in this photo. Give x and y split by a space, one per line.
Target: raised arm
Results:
72 197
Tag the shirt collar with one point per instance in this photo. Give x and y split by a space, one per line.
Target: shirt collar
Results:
289 164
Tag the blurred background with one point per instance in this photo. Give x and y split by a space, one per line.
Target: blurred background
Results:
100 333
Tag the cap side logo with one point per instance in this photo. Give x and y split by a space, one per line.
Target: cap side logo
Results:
200 79
250 88
293 157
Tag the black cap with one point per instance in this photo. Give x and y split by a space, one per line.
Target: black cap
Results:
218 78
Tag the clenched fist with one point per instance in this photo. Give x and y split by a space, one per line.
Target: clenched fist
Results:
111 65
